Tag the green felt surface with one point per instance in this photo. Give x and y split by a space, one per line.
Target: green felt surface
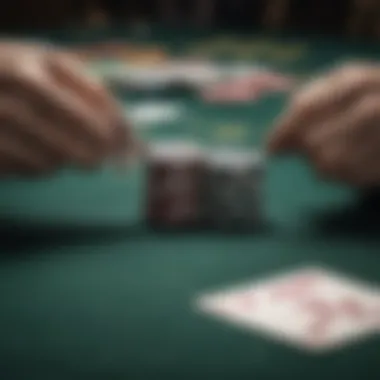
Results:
89 293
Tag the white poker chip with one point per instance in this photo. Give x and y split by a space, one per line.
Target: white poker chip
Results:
192 73
225 158
241 70
155 113
140 77
108 69
175 151
197 73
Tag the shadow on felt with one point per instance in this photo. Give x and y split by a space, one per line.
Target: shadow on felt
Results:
17 236
359 218
20 236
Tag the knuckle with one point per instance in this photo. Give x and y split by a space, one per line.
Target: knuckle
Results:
309 98
13 111
329 163
369 108
352 70
18 81
19 77
82 155
298 100
357 78
7 113
311 146
9 76
324 164
303 101
88 160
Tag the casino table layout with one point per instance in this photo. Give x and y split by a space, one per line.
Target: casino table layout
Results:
89 292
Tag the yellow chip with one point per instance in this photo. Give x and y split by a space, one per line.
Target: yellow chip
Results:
146 57
231 132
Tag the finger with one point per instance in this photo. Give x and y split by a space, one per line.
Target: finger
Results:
353 126
358 150
299 115
371 176
17 154
57 104
340 146
72 74
330 161
365 166
126 143
43 134
69 73
327 148
321 99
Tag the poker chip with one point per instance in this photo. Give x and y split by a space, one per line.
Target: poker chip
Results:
235 158
233 188
228 92
145 77
152 113
197 73
174 184
249 88
175 151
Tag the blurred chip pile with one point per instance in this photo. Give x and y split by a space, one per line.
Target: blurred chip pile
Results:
190 186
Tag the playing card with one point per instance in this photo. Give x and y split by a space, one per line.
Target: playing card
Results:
312 308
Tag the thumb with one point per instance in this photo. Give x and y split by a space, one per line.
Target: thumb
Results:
284 137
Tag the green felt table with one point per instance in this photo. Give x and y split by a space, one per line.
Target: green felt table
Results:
88 292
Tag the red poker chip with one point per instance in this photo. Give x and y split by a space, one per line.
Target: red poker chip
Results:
248 88
235 92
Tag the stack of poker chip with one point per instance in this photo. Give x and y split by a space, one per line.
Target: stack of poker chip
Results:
190 186
175 174
132 78
161 76
232 188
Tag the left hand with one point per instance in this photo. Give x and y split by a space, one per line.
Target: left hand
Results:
335 122
53 114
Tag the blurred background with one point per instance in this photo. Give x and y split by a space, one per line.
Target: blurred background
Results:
340 17
159 56
80 275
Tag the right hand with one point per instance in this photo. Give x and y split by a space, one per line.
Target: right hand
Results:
334 122
53 114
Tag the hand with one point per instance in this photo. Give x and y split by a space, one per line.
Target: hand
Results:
53 114
335 122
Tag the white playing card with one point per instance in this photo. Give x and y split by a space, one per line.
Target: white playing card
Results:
313 308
